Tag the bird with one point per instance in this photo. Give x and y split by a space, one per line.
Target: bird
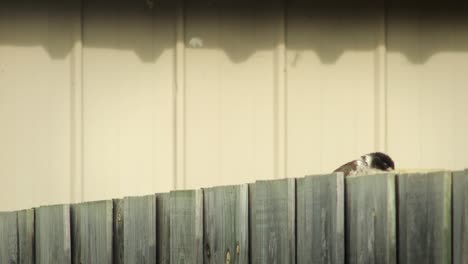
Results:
375 162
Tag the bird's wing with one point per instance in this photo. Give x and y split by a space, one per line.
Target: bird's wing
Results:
348 168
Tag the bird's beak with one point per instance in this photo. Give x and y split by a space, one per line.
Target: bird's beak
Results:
389 169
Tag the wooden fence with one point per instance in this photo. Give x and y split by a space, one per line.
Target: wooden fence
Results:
386 218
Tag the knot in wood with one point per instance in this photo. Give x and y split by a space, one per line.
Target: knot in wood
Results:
207 250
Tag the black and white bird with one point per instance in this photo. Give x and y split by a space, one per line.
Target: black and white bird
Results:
370 163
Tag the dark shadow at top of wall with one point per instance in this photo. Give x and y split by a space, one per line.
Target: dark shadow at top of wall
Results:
239 28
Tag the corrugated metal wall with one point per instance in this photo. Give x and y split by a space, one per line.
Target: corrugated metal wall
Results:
100 99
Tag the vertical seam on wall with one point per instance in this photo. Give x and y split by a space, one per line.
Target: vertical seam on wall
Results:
174 106
76 104
385 71
381 82
180 180
280 100
82 182
285 100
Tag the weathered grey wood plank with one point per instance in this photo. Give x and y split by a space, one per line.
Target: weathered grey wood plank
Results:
52 240
163 220
186 227
371 219
8 237
460 217
424 216
92 232
226 219
273 222
135 230
320 219
140 229
26 236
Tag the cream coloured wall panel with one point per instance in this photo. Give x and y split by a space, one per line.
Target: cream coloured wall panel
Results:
128 80
427 87
230 57
331 80
127 96
34 105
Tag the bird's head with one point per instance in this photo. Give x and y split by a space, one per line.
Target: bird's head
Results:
380 161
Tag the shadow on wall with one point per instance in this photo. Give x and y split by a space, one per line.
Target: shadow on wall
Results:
148 27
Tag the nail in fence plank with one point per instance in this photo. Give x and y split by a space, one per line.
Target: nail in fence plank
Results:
8 237
135 230
226 219
371 219
460 217
26 236
424 216
186 227
52 229
320 219
163 212
92 232
273 221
